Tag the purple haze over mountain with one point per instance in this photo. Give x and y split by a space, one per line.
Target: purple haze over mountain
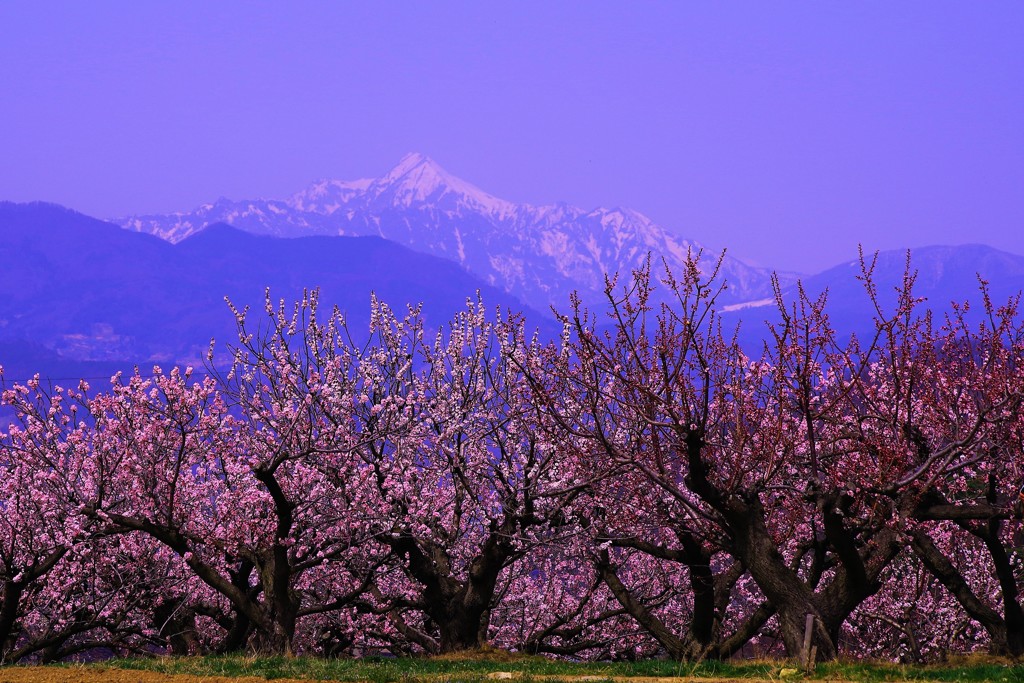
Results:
788 133
80 289
540 254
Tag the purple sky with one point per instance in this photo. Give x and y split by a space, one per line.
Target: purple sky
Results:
788 132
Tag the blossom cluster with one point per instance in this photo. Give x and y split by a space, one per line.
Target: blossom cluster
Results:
640 489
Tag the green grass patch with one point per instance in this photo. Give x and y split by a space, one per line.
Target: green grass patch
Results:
879 672
470 669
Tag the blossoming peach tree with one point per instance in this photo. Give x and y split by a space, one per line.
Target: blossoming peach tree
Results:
642 486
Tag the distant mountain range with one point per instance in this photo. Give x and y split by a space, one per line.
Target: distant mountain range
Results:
943 274
84 296
538 254
79 289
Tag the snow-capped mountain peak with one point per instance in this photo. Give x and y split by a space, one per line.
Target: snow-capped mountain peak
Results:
538 253
413 161
418 179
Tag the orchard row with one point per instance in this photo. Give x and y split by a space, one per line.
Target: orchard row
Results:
641 488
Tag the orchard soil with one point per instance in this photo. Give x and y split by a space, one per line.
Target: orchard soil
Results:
491 666
94 675
48 674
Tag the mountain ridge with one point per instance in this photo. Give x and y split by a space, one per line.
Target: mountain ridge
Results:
537 253
86 294
90 291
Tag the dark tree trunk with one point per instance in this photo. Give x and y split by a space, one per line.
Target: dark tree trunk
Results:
951 578
463 617
791 596
239 626
1013 614
676 647
702 581
237 636
176 623
460 609
280 604
9 616
268 630
703 639
984 521
460 630
276 571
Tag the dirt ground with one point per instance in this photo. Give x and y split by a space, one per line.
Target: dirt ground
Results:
72 675
75 675
55 675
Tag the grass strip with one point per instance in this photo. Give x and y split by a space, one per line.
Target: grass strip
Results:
474 670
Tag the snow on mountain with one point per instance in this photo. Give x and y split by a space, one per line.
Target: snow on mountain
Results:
418 180
539 254
327 196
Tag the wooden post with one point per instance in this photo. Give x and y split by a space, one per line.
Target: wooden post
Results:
809 654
